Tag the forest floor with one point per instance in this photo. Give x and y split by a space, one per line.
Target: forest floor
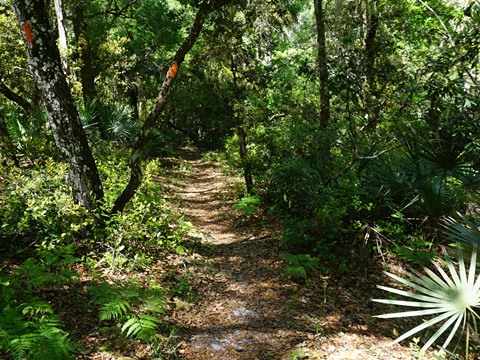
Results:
247 308
230 296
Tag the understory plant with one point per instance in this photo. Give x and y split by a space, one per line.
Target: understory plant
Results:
29 327
452 297
137 309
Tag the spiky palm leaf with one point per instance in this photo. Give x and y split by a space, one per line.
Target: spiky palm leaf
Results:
452 298
467 233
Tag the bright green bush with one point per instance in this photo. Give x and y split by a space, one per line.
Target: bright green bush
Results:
37 203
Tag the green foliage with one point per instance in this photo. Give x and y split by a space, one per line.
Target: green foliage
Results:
419 253
50 267
299 265
182 287
452 298
248 205
29 327
136 307
37 203
142 326
32 139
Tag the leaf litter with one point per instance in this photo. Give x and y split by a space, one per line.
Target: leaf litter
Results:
249 309
242 305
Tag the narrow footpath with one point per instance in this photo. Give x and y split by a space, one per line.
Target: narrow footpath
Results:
246 308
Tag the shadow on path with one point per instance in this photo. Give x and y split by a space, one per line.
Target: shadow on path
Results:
248 308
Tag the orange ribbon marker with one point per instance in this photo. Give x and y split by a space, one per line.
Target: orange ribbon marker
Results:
172 72
28 32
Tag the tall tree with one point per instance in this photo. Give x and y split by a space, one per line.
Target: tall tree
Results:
62 33
70 138
87 76
63 115
7 150
322 64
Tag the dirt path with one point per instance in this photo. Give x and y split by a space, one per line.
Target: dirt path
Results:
246 307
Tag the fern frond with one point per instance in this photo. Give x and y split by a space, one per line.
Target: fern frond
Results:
142 326
155 306
37 307
49 343
114 309
52 344
20 347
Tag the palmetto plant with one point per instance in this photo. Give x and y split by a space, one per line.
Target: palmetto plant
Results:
452 296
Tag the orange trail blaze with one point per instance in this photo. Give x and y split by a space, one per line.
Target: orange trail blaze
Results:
28 32
172 73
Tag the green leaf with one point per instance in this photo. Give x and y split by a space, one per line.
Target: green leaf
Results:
450 297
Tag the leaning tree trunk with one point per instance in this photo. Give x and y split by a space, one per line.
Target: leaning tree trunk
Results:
136 156
63 117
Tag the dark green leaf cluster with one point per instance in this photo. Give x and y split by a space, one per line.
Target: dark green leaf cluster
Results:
298 266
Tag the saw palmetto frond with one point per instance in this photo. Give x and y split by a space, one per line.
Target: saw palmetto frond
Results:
451 296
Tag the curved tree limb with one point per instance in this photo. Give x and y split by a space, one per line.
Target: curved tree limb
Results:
150 123
16 98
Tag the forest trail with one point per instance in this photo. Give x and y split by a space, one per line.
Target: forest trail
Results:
246 307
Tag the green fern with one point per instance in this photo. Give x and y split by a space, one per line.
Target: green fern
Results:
33 333
30 330
114 309
37 307
142 326
49 343
132 305
299 265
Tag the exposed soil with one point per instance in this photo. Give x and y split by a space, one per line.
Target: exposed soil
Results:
247 308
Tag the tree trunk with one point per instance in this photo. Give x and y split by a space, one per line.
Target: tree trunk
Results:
322 65
152 118
371 51
247 172
133 100
7 150
63 116
242 136
62 34
87 76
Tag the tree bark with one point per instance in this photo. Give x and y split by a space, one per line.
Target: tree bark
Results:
371 51
135 162
62 34
63 117
247 171
322 64
87 76
242 136
7 149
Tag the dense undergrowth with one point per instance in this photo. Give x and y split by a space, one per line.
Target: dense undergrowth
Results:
54 250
